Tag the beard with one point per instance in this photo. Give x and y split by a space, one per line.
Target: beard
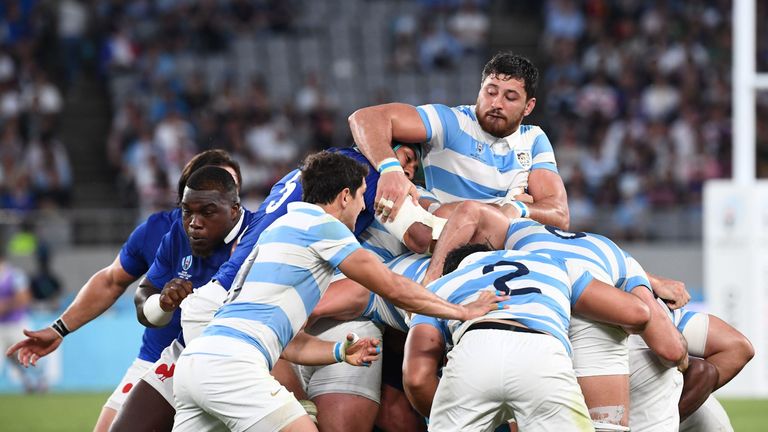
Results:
499 124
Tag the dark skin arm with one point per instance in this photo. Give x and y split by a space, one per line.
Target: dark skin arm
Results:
699 380
424 351
171 296
96 296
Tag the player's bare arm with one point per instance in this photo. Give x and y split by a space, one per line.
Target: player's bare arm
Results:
727 349
550 201
305 349
604 303
660 334
672 291
699 380
373 129
96 296
424 351
154 311
364 268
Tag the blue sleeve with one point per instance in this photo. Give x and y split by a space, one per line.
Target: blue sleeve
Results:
131 254
227 272
431 321
579 286
542 155
161 270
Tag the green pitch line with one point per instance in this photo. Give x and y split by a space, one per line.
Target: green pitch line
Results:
76 412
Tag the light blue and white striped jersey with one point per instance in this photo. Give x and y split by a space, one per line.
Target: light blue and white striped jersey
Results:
411 265
464 162
598 254
542 291
290 268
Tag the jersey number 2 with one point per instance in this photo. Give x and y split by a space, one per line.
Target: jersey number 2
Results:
501 283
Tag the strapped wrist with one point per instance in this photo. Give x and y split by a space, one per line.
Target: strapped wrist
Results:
60 327
389 164
339 352
524 210
154 313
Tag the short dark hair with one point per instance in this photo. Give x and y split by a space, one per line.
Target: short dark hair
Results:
215 157
456 256
213 178
325 174
514 66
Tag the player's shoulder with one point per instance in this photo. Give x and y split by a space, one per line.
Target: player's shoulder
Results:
162 220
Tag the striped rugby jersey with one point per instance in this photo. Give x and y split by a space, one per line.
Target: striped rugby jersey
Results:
542 291
595 253
411 265
283 279
464 162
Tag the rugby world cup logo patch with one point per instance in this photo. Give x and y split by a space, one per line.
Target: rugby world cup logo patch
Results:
186 262
523 158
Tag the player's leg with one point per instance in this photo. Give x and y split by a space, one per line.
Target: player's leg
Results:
600 360
150 406
347 397
120 394
699 380
654 390
710 417
396 412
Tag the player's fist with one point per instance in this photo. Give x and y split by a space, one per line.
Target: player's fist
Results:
173 293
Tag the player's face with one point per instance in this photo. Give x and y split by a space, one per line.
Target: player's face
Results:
408 160
208 216
355 203
502 104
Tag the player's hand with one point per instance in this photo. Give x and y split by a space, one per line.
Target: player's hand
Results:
486 302
361 351
682 366
673 292
524 197
173 293
38 344
392 190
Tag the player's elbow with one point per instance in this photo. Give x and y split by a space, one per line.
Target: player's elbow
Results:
636 316
743 349
564 216
672 351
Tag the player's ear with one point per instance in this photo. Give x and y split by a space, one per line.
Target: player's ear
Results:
346 197
529 105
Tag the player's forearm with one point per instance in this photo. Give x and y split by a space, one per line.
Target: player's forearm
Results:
699 381
660 334
372 132
550 211
308 350
95 297
414 298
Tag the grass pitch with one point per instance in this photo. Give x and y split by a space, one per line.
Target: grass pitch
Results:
76 412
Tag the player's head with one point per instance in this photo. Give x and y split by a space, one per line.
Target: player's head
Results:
332 178
215 157
210 208
409 156
507 93
456 256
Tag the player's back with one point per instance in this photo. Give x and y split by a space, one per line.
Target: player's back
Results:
541 289
594 252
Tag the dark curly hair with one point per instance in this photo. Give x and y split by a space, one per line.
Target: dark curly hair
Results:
511 65
325 174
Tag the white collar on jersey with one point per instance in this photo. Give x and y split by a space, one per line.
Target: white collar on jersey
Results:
232 234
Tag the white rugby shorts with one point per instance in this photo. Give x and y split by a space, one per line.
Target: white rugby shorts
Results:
130 379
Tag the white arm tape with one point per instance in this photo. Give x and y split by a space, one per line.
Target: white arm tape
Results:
409 214
154 313
198 308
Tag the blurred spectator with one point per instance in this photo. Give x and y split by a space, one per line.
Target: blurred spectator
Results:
72 25
48 163
15 298
470 26
438 49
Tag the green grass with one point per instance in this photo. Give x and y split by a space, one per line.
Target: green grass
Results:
78 412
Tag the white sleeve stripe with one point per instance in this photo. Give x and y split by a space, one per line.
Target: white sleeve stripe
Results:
437 126
543 158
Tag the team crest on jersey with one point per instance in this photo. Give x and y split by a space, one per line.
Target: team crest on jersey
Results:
523 158
186 262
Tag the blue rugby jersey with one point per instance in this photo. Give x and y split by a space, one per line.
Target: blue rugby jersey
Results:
594 252
542 290
290 268
288 190
136 256
174 259
466 163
